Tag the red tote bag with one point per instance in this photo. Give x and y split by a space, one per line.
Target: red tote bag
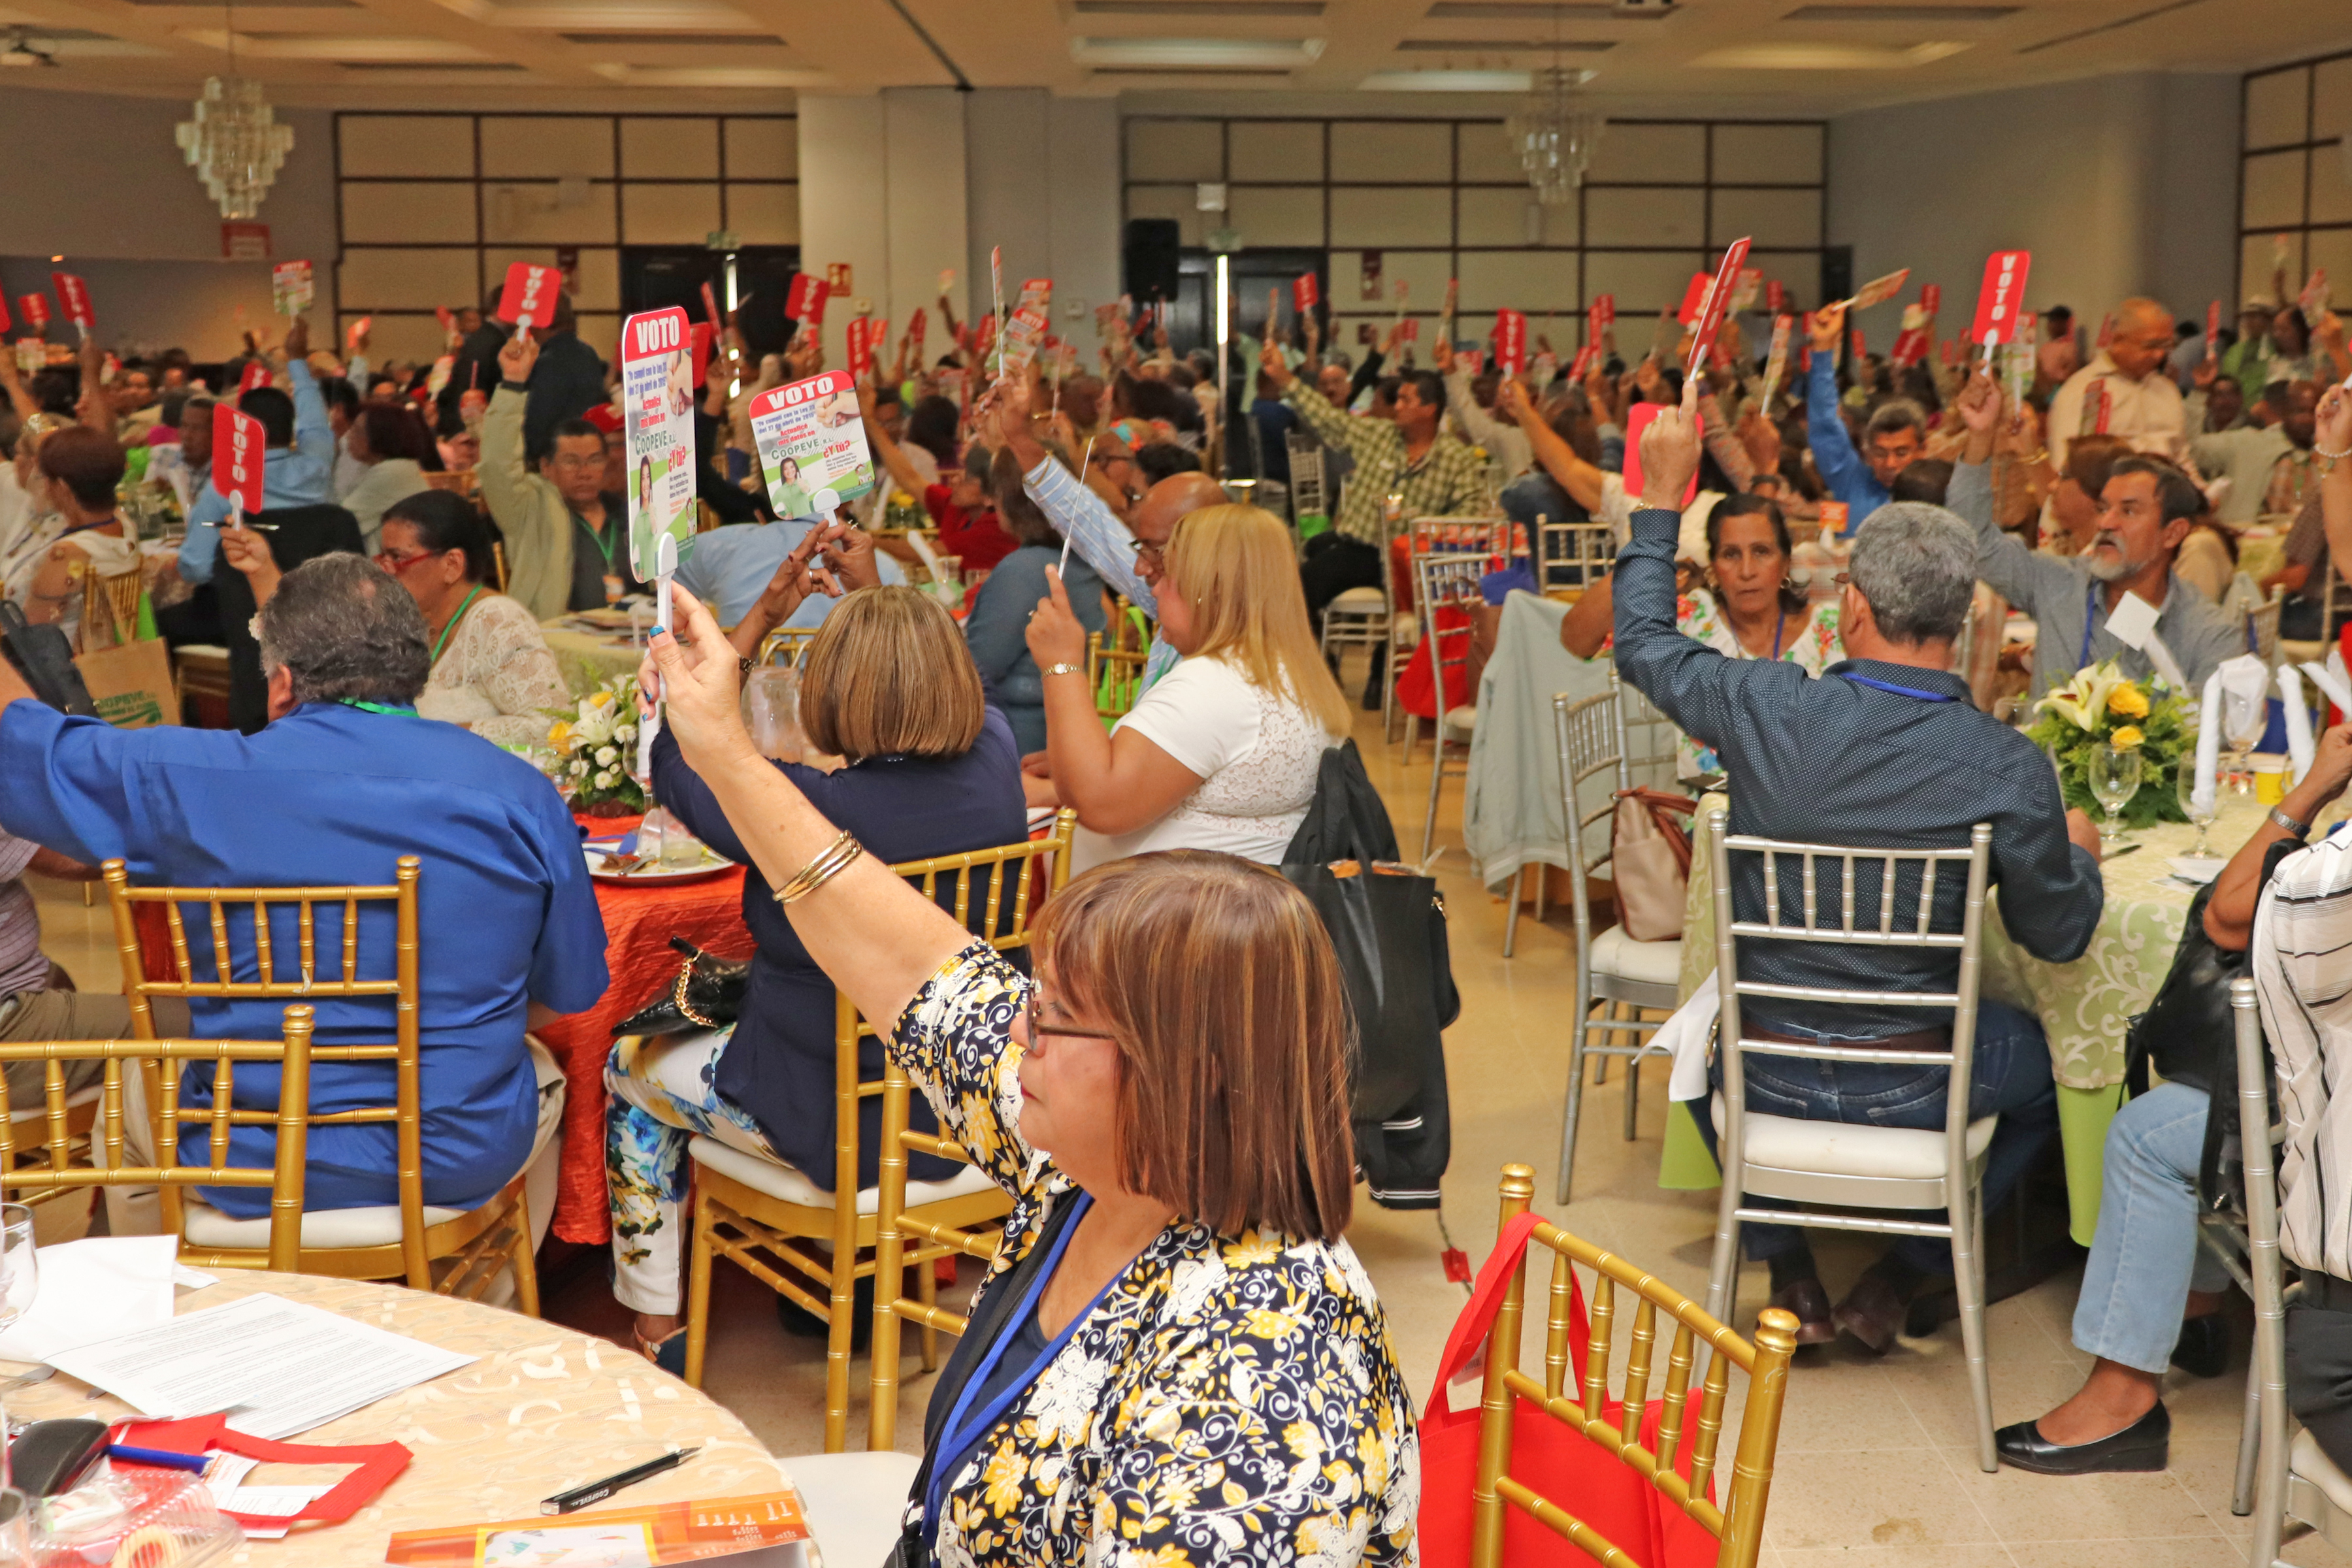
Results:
1554 1460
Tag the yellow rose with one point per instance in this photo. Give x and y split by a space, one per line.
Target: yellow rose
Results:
2126 738
602 700
560 737
2128 700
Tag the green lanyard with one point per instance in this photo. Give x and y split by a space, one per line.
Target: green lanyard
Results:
602 544
452 624
395 711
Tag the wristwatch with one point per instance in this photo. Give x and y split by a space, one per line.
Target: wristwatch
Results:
1064 670
2300 830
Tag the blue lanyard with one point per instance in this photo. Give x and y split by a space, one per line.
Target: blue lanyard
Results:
2090 608
1899 690
957 1436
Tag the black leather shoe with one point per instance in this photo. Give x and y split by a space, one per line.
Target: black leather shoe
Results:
2203 1348
2143 1446
1872 1313
1810 1304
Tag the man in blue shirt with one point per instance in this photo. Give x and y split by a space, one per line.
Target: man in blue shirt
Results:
343 780
297 470
1894 438
728 569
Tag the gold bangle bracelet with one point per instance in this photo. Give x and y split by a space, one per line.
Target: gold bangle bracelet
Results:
829 863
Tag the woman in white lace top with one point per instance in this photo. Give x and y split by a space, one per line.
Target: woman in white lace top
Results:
492 669
1223 752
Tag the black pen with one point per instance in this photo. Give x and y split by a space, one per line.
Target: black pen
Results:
579 1497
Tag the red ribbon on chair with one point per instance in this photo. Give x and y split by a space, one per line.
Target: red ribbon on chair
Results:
377 1463
1547 1455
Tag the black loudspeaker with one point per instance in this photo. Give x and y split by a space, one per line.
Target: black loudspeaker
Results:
1153 244
1837 273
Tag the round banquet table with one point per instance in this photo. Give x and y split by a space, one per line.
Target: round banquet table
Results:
588 659
545 1407
2084 1007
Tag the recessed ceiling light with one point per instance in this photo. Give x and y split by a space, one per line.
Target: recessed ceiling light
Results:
1822 57
1208 54
1901 13
1447 82
1504 45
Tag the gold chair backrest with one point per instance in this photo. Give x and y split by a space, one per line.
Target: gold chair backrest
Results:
1115 674
167 1116
894 1226
1738 1523
790 642
406 1114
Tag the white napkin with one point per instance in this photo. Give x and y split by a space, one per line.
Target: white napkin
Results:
2208 742
95 1288
2329 679
1685 1037
2245 687
2298 720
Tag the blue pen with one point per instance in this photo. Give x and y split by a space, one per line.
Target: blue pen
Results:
194 1463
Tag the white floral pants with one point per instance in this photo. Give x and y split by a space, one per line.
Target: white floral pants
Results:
662 1093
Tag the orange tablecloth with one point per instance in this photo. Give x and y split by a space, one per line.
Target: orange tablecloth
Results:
638 924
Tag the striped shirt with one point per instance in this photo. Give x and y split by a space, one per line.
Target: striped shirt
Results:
1100 539
2303 939
23 966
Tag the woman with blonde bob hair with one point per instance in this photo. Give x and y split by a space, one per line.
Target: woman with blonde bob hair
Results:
1223 752
927 769
1175 1356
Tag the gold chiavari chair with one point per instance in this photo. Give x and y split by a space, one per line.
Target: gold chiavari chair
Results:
110 609
1115 674
25 1178
1684 1461
428 1248
909 1234
786 645
747 1204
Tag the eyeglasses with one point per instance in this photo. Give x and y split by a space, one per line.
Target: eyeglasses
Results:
1038 1029
396 562
1147 553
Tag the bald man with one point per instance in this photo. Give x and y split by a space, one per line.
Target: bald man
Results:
2124 391
1128 555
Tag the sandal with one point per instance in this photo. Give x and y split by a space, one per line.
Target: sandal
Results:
668 1352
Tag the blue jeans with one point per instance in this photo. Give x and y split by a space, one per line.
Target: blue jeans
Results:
2010 1075
2146 1258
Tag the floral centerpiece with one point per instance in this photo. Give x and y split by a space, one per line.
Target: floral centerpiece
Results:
593 746
2100 707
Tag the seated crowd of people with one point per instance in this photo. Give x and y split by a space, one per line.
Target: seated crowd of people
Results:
421 523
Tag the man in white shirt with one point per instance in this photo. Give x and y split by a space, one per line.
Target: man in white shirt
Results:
1490 430
2124 391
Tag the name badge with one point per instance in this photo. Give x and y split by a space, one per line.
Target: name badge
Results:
613 587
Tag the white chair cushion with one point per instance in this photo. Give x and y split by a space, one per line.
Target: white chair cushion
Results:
1654 963
786 1185
379 1226
1358 601
2306 1458
853 1502
1850 1148
1464 720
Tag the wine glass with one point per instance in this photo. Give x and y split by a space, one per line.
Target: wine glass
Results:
2185 781
2243 726
2115 779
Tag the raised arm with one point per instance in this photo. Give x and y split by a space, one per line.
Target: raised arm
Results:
14 384
96 407
1079 515
1117 783
876 937
1833 455
1334 425
2013 571
2333 429
1580 479
505 486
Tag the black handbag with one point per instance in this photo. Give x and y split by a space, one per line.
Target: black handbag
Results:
44 656
1387 923
706 994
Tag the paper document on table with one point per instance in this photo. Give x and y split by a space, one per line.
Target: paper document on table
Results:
278 1367
95 1288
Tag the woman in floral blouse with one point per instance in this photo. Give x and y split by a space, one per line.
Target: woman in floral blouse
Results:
1176 1359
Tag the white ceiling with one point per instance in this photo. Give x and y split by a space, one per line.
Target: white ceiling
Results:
1783 56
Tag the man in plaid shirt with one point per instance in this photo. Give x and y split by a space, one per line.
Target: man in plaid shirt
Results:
1436 475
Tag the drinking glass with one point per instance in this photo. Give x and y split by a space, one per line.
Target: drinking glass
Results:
2243 730
15 1526
772 712
2115 779
2185 781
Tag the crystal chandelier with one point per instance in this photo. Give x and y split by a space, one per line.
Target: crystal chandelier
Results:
234 145
1554 134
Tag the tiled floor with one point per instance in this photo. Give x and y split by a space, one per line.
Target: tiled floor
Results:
1875 1467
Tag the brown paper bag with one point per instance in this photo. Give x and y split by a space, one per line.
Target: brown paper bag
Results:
131 684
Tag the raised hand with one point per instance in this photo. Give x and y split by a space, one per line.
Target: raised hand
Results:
1670 451
516 360
1822 327
1054 636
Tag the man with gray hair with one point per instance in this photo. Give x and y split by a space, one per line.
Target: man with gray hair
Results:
343 782
2125 389
1885 749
